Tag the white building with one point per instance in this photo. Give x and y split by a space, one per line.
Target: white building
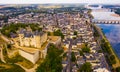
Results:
30 54
101 70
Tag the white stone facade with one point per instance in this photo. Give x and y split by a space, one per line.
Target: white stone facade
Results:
33 57
35 41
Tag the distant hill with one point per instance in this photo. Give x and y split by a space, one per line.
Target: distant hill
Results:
8 8
111 6
117 11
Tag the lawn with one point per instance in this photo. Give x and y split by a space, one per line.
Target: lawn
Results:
117 64
116 57
10 68
2 41
17 59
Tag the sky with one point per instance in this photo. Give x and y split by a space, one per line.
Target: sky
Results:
58 1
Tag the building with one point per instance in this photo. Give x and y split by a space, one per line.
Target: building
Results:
30 54
34 45
34 54
28 38
56 40
101 70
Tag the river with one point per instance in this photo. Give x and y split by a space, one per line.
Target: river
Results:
111 31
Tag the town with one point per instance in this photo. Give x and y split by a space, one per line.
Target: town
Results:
34 34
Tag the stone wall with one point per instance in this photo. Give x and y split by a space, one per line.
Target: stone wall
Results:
31 57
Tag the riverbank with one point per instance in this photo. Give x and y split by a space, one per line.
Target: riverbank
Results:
105 15
109 53
116 15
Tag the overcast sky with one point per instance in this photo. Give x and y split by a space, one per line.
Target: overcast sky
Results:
57 1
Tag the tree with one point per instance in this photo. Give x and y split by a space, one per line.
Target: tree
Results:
12 28
9 46
52 62
86 49
73 59
74 38
99 51
65 54
48 34
118 69
59 33
112 59
81 53
75 32
86 67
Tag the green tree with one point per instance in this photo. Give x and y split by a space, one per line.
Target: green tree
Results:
48 34
86 67
12 28
118 69
86 49
9 46
81 53
59 33
112 59
75 33
52 62
73 59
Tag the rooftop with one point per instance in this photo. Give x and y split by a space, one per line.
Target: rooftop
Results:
53 38
30 33
44 45
29 50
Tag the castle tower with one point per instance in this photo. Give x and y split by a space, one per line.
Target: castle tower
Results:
37 41
45 37
20 38
29 28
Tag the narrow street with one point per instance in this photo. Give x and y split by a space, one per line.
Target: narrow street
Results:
69 57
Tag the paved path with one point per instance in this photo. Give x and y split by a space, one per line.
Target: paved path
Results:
1 56
99 44
69 57
28 70
4 38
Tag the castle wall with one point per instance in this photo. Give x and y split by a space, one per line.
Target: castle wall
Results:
31 57
57 42
32 42
37 41
43 38
44 52
26 42
20 38
36 56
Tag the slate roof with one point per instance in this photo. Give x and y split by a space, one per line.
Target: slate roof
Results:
29 33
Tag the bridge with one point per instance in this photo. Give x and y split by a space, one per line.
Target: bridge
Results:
91 7
103 10
106 21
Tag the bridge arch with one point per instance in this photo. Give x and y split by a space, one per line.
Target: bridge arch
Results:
106 21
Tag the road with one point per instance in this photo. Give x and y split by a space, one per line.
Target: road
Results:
1 55
4 38
69 57
104 63
28 70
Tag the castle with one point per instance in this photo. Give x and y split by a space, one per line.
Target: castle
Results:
33 45
28 38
